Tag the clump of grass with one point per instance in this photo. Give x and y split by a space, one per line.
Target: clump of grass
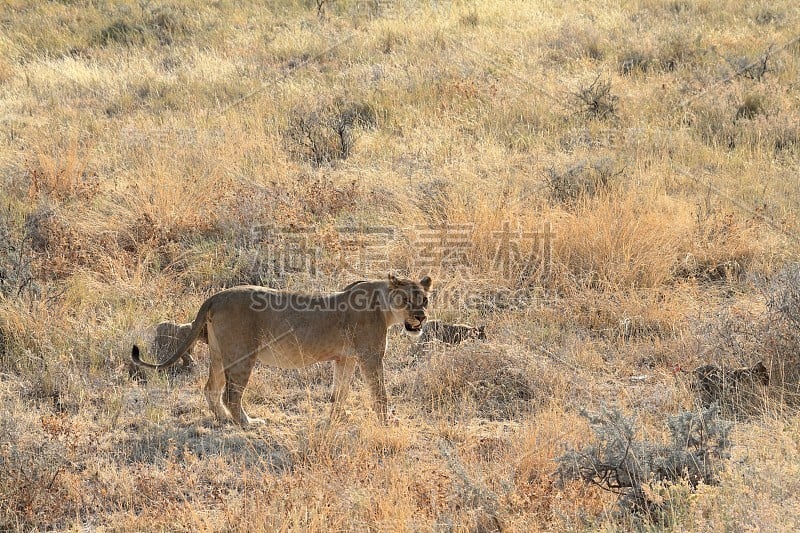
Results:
161 211
676 49
470 19
781 343
36 487
753 69
722 249
754 104
713 123
738 337
434 199
120 32
496 383
164 23
766 15
627 315
16 261
62 173
169 23
577 40
617 242
582 180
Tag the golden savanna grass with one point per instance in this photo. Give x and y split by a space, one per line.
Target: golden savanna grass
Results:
623 175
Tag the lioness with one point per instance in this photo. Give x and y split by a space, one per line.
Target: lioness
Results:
714 384
450 333
291 330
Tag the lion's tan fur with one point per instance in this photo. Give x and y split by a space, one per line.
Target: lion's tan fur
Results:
290 330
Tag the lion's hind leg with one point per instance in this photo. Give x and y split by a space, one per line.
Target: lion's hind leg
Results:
236 377
215 386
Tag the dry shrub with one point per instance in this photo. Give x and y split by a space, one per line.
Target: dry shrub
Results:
596 101
619 462
617 243
491 382
327 131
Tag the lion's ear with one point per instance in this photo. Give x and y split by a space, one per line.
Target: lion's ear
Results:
426 283
393 281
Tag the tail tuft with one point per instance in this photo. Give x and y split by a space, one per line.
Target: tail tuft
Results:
135 355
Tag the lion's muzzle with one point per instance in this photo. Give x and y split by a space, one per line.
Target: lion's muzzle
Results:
414 324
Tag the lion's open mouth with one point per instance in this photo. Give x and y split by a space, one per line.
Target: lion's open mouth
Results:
413 329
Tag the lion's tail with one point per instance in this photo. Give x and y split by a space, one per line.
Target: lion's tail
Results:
198 327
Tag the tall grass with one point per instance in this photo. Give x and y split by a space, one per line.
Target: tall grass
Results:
614 235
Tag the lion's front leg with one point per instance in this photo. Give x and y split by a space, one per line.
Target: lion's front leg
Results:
372 368
342 376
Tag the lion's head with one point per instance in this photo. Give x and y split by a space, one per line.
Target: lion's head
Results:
408 300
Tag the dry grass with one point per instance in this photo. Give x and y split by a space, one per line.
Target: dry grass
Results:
147 151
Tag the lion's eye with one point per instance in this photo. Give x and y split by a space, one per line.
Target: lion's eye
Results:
425 301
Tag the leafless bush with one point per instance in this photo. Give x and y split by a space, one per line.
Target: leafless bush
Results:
328 132
596 100
620 463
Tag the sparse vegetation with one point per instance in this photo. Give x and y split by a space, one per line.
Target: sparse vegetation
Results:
631 467
611 189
